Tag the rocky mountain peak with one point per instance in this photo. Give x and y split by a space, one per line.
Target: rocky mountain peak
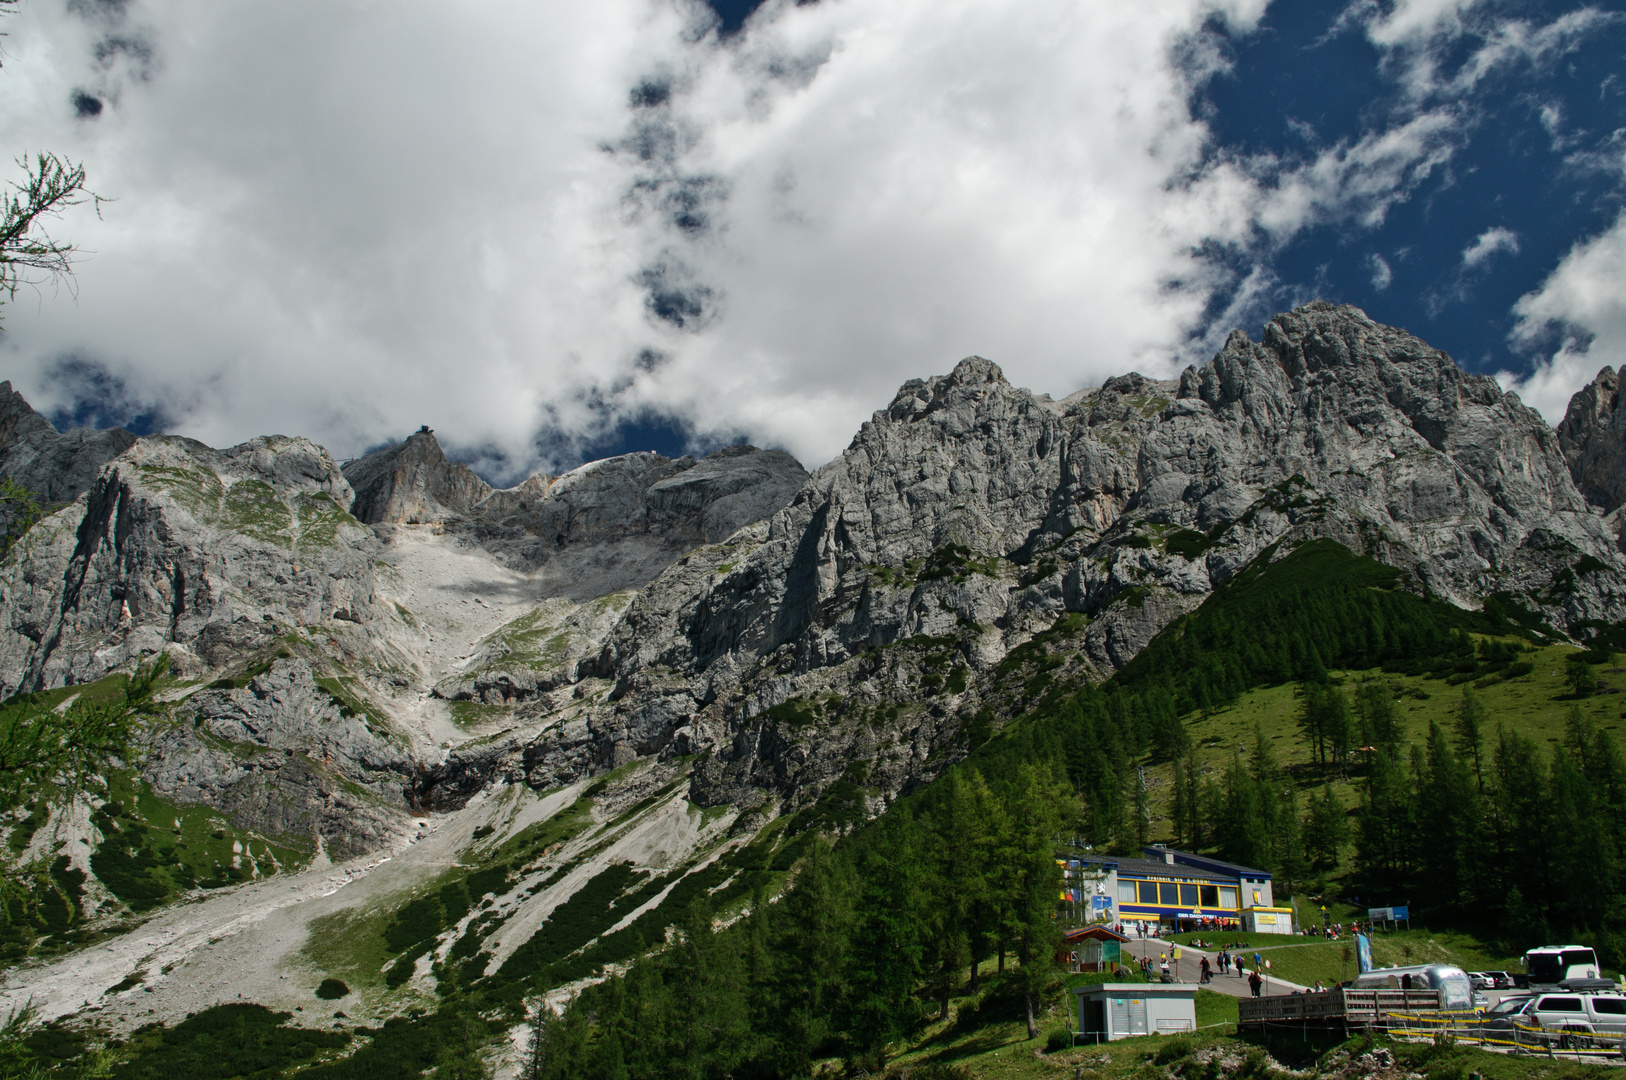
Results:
1592 436
18 419
412 483
56 466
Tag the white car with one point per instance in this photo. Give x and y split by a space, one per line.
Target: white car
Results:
1578 1019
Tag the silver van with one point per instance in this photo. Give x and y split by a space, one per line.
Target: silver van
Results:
1578 1019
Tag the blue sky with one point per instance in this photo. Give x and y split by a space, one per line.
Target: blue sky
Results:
1536 166
658 224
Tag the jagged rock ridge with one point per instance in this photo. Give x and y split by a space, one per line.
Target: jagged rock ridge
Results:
783 629
247 559
606 526
975 514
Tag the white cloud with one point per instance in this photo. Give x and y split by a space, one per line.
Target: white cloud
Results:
347 219
1382 276
1410 22
1360 179
1581 305
1420 39
1489 243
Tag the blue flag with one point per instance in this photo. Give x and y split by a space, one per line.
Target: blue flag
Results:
1363 952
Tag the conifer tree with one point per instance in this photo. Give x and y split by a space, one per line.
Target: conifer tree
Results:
539 1058
1448 816
1289 840
1188 794
1328 829
818 917
1177 803
708 994
1581 679
1385 832
1312 718
1379 729
1041 812
884 957
957 881
1470 732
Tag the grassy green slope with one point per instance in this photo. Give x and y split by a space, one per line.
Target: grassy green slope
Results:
1534 705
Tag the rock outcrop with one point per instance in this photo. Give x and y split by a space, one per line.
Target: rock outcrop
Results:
785 630
206 555
412 483
287 755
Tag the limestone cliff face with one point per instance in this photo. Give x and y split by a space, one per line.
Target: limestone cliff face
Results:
971 515
222 560
206 555
286 756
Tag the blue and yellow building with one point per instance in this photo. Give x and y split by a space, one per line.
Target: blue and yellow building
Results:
1176 890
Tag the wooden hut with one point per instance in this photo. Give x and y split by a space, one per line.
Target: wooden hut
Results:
1093 948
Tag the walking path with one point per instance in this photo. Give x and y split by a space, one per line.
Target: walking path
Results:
1189 969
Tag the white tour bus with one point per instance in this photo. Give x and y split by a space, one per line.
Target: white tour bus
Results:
1553 964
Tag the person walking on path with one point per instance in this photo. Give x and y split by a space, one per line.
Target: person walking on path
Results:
1207 973
1238 960
1254 982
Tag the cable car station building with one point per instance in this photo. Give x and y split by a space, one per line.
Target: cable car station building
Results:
1181 891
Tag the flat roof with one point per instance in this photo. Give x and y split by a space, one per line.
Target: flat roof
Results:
1207 861
1137 989
1148 867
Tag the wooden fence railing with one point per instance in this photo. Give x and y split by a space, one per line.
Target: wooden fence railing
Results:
1350 1006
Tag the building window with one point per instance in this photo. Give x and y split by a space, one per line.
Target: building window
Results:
1210 896
1188 896
1227 896
1126 892
1148 892
1168 894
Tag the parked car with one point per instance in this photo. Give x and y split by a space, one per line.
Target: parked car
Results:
1482 980
1499 1019
1504 979
1581 1020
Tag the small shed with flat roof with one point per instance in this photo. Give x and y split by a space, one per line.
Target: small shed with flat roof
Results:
1111 1011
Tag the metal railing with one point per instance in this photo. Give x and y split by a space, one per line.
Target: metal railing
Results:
1418 1014
1511 1035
